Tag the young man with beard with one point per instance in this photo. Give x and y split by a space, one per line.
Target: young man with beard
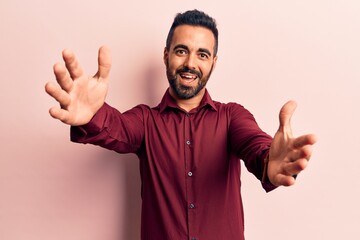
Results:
189 146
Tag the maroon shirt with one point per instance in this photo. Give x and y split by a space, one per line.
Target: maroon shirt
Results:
189 164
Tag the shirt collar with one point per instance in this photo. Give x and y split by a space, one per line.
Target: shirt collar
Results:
168 102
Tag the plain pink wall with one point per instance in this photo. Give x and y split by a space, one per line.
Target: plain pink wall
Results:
269 52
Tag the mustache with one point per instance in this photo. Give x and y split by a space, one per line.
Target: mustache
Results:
188 70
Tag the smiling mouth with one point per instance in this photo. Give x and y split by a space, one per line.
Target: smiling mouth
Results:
188 77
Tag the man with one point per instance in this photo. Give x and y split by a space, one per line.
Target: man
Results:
189 146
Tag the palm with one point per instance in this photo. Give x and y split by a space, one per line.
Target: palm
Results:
80 96
87 96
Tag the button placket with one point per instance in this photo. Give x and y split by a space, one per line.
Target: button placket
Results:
189 165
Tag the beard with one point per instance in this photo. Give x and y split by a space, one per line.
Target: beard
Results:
186 92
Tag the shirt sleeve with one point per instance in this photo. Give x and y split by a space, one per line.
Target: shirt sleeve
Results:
250 143
121 132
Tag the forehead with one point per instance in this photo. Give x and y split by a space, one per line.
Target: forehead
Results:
193 37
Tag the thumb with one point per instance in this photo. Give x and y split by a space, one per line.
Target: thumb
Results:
104 62
286 113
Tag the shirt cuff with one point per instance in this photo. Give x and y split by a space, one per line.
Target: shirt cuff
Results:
96 125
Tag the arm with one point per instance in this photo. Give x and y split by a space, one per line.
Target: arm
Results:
110 129
249 142
288 155
82 105
80 96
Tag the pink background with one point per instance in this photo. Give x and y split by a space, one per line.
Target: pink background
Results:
269 52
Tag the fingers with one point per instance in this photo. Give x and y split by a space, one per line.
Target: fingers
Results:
293 168
63 77
58 94
297 162
284 180
59 114
66 76
302 147
72 64
286 113
104 62
295 155
289 172
301 141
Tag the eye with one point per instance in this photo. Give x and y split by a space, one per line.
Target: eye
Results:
203 56
180 52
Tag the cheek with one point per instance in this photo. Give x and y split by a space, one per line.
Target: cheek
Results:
175 62
206 69
173 66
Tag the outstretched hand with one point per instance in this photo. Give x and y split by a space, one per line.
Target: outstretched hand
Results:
288 156
80 96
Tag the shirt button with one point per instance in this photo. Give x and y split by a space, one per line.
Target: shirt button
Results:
190 174
191 206
188 142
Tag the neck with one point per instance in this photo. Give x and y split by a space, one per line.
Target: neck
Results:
188 104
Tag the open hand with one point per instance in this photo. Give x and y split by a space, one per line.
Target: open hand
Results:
80 96
288 156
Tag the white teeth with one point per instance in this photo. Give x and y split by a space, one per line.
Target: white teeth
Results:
188 76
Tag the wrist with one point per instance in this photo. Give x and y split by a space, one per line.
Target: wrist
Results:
265 167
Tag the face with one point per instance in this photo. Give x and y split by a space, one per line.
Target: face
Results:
189 60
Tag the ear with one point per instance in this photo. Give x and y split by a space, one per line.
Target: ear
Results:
166 56
215 60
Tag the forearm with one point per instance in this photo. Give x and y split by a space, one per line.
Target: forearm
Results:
250 144
256 161
109 129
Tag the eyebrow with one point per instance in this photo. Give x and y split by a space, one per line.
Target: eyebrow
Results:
203 50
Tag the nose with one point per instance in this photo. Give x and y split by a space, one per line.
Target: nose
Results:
190 62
